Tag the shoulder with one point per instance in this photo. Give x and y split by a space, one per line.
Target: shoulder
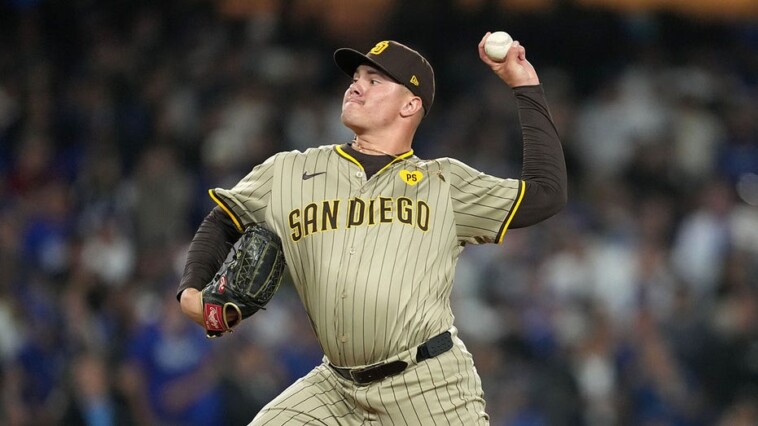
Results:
448 164
284 162
450 169
309 152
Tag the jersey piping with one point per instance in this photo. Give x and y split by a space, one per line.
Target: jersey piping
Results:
507 221
347 156
226 209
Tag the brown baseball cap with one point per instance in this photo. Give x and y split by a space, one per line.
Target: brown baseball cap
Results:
403 64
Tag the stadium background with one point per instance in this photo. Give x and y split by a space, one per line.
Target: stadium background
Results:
635 305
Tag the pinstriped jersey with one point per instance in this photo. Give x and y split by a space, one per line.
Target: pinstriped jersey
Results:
373 260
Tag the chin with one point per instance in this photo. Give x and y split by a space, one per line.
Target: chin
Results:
349 120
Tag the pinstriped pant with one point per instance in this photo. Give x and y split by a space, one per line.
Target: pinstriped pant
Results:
445 390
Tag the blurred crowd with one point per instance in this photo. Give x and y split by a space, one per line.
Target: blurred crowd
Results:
635 305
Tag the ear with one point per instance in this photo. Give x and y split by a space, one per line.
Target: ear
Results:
411 106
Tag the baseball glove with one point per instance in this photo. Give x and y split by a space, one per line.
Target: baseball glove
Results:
245 282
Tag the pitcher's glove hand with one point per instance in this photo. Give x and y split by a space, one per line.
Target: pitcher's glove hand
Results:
245 283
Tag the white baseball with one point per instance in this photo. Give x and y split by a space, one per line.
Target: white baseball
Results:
497 44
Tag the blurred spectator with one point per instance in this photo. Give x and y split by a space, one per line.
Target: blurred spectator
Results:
34 166
625 109
729 371
739 153
168 375
242 128
252 377
696 131
161 188
101 190
109 253
32 379
94 401
661 390
11 265
48 229
703 239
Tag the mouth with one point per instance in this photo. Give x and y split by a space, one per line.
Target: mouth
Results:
352 101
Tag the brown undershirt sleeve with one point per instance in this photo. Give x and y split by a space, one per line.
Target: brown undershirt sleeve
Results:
208 250
544 166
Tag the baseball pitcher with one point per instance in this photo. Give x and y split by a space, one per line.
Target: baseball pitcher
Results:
371 234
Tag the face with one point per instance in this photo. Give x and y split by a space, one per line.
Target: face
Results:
373 100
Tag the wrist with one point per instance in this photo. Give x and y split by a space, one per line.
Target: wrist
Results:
191 304
528 87
525 83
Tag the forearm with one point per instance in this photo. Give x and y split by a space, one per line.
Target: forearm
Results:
208 250
544 166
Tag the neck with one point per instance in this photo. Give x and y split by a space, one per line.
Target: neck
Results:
365 146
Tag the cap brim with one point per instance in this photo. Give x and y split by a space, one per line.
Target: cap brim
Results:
348 61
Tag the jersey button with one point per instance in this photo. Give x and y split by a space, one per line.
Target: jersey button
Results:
344 294
359 174
352 251
343 339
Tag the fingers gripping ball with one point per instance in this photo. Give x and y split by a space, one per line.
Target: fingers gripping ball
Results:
497 45
245 283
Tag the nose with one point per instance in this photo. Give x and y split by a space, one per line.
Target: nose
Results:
354 88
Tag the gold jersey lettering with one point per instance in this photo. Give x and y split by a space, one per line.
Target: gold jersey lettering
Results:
405 210
295 226
325 216
329 215
357 211
310 215
309 220
385 209
371 220
422 216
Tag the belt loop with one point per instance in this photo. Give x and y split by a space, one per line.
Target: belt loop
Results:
437 345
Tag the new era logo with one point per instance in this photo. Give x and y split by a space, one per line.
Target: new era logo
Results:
414 80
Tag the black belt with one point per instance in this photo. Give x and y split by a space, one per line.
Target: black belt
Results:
437 345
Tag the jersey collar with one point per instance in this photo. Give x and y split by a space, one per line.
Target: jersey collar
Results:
344 154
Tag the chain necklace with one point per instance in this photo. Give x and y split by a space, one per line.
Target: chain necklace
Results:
359 146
